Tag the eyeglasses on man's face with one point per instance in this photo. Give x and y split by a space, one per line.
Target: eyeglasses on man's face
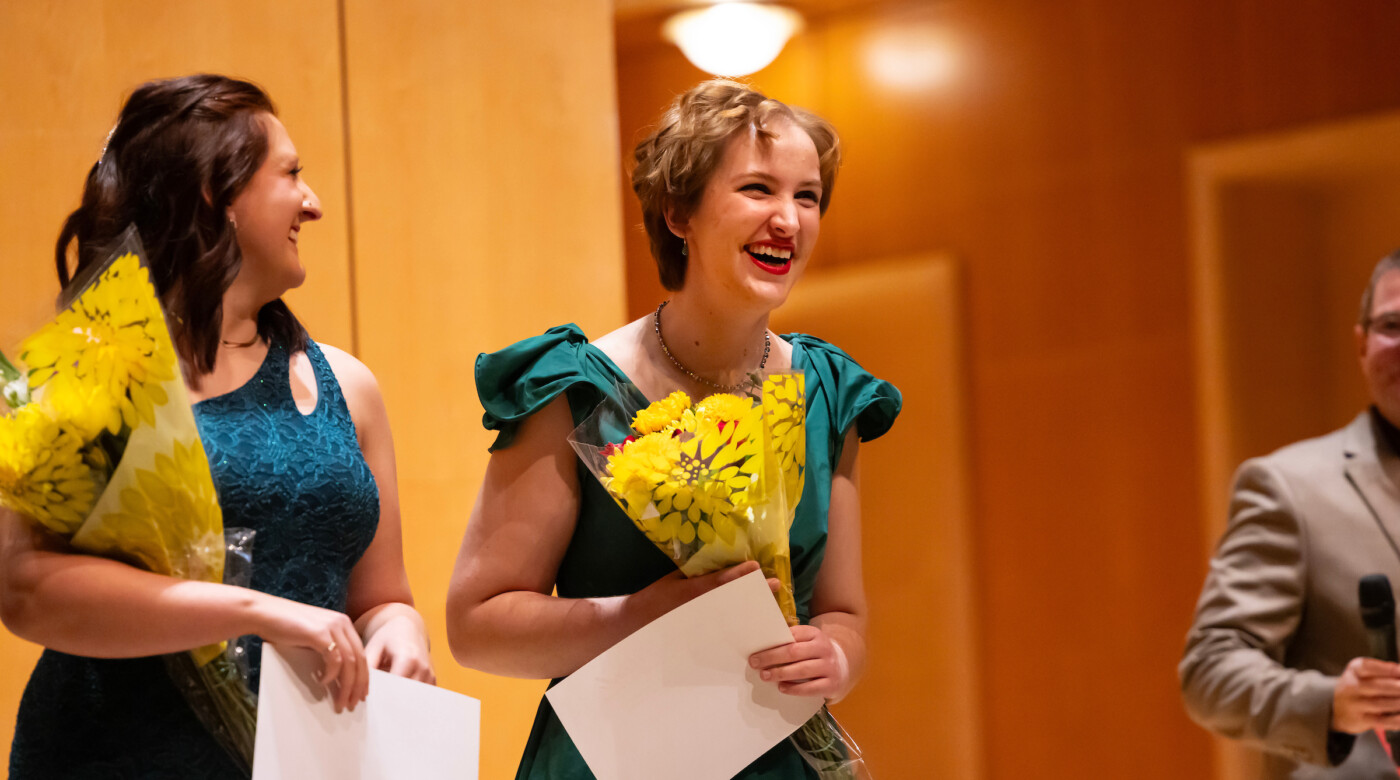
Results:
1385 325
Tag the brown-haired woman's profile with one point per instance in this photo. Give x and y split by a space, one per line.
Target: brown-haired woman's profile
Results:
297 438
180 153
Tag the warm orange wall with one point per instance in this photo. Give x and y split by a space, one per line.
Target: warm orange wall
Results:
483 155
1053 168
475 143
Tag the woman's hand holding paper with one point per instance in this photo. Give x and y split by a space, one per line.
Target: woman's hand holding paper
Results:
325 631
397 642
813 665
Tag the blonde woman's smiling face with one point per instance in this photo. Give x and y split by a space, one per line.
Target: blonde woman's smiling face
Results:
758 218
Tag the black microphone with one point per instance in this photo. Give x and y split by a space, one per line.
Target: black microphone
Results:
1378 613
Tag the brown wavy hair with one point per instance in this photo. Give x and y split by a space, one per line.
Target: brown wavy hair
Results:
181 151
675 162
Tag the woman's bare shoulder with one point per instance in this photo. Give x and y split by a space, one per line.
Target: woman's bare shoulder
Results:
624 346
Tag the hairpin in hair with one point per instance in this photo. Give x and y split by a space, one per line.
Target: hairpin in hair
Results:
105 144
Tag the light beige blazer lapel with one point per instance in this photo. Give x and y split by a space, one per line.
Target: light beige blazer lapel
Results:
1373 469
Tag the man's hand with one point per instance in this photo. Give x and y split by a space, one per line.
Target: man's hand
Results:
1367 697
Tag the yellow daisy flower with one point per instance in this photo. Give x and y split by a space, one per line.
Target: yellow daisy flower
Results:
691 482
785 409
43 473
704 495
165 511
662 414
114 337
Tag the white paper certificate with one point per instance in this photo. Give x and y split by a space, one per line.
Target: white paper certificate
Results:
404 729
677 699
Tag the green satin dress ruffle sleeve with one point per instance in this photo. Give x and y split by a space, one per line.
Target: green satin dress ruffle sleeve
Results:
607 555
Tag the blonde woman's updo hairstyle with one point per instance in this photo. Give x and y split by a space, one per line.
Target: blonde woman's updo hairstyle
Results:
676 161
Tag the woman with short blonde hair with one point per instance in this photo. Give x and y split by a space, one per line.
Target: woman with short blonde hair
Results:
733 185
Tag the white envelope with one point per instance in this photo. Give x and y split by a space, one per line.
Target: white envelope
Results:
404 729
677 699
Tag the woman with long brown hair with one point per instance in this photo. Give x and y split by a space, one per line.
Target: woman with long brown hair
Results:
298 442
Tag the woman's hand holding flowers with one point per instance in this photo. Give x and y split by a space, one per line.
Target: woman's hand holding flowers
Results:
675 589
813 665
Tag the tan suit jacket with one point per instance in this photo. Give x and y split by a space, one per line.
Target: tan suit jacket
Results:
1278 618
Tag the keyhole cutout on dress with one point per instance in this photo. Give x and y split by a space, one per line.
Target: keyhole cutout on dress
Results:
305 392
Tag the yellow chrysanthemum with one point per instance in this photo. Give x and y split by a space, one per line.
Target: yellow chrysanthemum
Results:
169 521
724 407
88 407
43 474
639 467
686 423
113 337
785 409
662 414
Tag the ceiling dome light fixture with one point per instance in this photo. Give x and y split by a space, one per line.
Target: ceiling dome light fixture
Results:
732 39
912 57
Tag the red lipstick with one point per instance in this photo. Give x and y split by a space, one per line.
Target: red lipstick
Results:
773 265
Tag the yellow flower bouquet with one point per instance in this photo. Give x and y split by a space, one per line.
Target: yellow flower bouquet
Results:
715 483
101 450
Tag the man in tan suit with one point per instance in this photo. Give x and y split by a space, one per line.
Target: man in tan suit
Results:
1274 658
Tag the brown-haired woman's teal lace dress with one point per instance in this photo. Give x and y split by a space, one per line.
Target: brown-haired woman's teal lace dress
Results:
607 555
299 481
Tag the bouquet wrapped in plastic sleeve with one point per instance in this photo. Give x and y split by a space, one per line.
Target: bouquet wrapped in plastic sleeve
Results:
713 484
101 450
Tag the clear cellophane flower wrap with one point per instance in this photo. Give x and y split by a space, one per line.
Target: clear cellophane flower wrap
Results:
101 450
713 484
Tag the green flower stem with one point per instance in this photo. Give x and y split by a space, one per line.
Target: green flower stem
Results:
8 372
220 697
825 747
14 386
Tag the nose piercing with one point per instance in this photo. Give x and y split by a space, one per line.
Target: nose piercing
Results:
306 204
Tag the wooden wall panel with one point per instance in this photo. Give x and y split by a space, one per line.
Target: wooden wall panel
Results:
66 67
1286 222
484 162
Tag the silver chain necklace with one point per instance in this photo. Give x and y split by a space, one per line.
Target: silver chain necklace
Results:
656 324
